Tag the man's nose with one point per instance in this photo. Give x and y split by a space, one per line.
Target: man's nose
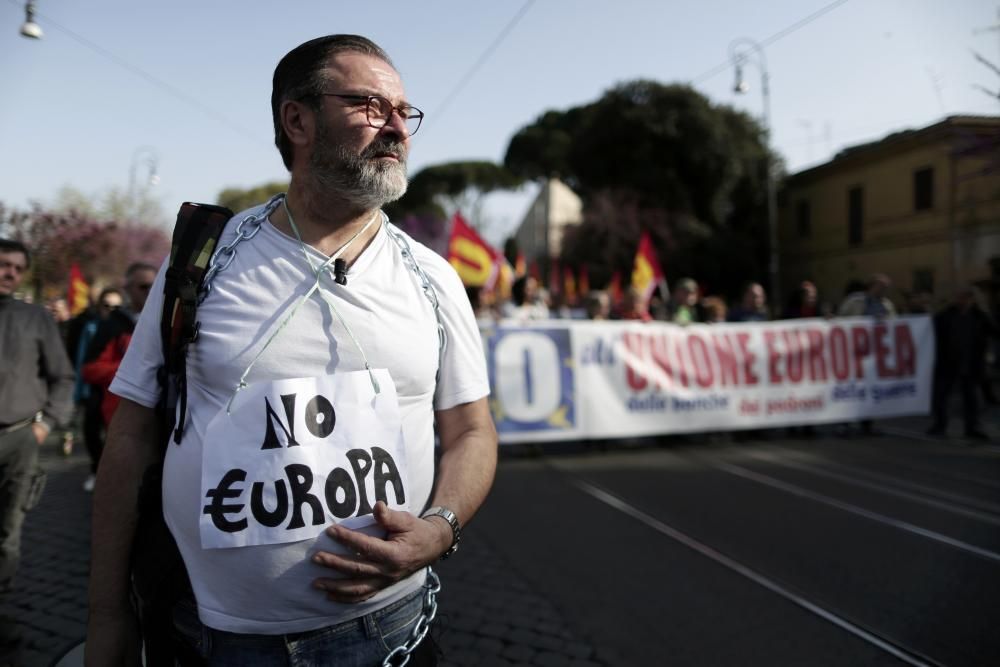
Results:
397 126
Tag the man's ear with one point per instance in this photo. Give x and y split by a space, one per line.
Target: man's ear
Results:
298 121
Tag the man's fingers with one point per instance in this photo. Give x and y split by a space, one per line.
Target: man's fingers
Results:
351 590
368 547
353 566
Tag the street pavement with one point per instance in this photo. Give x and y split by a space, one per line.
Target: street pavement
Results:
839 549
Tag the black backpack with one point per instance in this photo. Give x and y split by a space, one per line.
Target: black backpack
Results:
159 578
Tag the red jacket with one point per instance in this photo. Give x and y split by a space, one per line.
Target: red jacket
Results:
101 371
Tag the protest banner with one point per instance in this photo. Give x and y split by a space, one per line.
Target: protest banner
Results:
561 380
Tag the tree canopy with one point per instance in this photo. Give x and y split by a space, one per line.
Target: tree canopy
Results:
102 249
662 158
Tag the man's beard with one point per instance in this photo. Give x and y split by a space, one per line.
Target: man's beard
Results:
361 179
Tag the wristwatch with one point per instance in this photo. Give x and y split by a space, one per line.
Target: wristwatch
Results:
456 527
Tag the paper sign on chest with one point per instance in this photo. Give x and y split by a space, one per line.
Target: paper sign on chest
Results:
290 457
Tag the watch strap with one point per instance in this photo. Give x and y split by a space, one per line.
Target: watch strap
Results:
452 519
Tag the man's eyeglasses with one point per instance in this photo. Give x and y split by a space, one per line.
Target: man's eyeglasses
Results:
380 110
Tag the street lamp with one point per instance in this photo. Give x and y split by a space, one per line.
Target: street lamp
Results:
29 28
142 155
740 52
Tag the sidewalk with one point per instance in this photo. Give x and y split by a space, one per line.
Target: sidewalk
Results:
488 615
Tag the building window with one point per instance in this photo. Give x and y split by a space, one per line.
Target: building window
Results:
923 189
855 215
803 219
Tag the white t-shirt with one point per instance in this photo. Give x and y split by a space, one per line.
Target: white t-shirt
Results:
266 589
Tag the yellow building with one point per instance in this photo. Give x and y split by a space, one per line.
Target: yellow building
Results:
922 206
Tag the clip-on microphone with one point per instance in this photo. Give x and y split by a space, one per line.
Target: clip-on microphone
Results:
340 271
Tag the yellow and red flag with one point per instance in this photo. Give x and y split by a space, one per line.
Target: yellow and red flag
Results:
78 293
646 271
473 258
584 284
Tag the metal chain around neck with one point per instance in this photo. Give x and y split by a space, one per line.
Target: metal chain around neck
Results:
247 228
400 655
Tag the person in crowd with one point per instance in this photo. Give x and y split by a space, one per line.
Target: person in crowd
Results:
59 310
684 308
36 388
381 357
635 306
598 305
714 310
962 332
803 302
528 300
482 301
89 397
752 306
107 349
872 302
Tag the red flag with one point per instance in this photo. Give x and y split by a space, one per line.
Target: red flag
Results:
78 293
584 284
615 289
534 271
569 285
646 272
472 257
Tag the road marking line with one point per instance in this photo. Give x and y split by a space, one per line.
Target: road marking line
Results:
750 574
940 504
867 452
854 509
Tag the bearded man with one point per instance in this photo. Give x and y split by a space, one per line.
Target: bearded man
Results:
303 496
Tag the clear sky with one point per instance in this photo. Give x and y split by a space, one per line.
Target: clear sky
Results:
116 84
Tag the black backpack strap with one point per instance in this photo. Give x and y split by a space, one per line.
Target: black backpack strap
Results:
196 234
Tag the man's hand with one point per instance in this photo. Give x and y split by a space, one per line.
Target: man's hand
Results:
411 544
40 432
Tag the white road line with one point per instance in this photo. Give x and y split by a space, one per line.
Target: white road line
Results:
940 504
881 455
752 575
854 509
936 440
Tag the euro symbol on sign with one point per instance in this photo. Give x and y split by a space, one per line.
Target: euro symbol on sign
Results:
218 510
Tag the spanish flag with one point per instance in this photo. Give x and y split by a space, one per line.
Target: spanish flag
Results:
78 294
646 271
475 261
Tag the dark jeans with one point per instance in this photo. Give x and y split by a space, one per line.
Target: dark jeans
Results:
18 475
943 384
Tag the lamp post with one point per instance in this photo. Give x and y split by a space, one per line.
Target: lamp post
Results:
746 51
29 28
142 155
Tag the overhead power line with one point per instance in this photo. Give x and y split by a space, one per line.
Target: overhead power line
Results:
155 81
723 66
450 97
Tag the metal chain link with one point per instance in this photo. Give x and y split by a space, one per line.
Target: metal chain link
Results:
400 655
247 228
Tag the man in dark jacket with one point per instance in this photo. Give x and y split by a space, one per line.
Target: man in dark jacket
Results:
36 388
962 331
